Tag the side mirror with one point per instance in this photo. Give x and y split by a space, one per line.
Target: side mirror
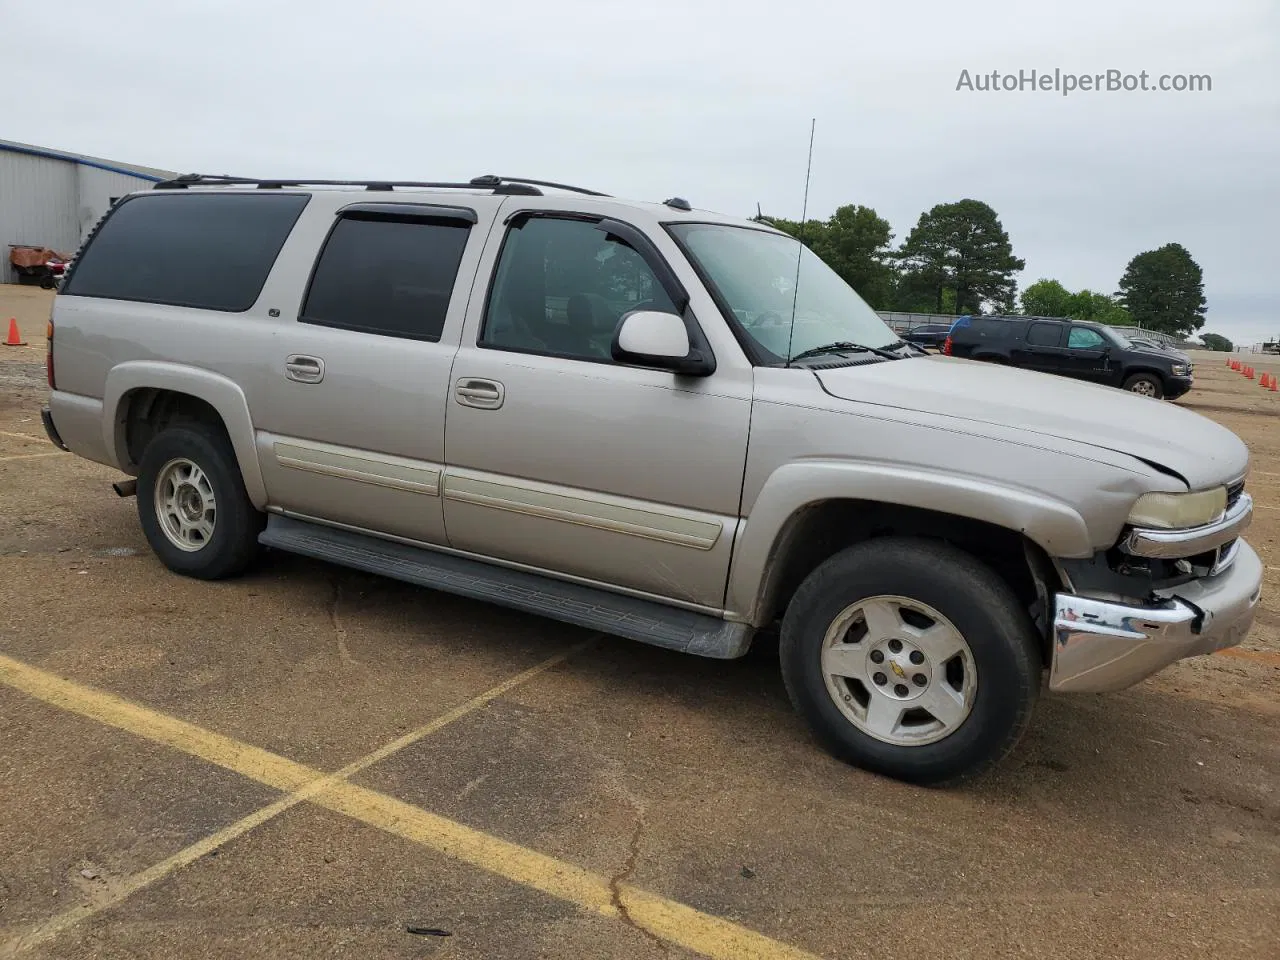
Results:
651 338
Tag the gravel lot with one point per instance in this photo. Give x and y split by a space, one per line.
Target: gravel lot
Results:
309 762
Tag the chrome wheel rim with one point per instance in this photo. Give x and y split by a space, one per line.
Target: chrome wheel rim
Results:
899 671
1144 387
185 504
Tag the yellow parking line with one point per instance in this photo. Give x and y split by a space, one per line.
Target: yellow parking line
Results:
672 921
1261 656
30 681
31 456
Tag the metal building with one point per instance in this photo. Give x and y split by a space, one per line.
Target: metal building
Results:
51 198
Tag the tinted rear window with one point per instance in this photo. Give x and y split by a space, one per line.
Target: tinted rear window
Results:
206 250
385 276
988 328
1045 334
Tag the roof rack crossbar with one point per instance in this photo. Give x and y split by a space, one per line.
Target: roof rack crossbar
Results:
488 181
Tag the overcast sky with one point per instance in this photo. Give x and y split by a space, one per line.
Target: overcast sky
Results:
712 102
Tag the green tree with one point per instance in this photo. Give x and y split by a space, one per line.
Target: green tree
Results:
1099 308
1163 289
1216 341
1047 298
963 247
854 242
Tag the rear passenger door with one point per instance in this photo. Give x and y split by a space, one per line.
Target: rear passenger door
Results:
353 428
1042 348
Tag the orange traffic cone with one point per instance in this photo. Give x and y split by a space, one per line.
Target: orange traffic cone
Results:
14 339
1273 383
1248 372
1262 380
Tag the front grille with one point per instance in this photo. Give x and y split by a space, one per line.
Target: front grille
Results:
1233 493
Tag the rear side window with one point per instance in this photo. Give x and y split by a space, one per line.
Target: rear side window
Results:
986 328
1045 335
388 276
206 250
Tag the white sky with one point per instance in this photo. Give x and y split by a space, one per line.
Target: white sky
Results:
712 102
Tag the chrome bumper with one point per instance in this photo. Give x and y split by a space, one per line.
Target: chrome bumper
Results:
1174 544
1101 646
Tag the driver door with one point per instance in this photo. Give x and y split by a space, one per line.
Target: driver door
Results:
560 459
1087 355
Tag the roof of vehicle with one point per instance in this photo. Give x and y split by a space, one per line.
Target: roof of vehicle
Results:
397 191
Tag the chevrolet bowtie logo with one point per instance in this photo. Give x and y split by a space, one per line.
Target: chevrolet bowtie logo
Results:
897 669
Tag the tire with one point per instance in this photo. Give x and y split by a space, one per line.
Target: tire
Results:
1145 384
998 660
229 542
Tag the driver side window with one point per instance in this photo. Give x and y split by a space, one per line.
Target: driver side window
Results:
1084 339
560 288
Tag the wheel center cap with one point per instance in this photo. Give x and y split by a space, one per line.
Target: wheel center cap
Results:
899 669
191 502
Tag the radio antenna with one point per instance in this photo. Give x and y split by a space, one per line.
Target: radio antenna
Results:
804 217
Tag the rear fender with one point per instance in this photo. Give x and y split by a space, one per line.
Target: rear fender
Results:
214 389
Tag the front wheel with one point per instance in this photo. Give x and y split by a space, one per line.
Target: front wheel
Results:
912 659
1145 385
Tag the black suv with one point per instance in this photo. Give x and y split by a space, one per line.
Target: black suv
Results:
1084 351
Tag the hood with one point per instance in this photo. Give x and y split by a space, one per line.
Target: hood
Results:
1162 351
1197 449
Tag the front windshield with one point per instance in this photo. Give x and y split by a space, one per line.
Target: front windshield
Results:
754 272
1118 339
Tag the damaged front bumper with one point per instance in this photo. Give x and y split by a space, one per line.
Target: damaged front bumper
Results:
1104 645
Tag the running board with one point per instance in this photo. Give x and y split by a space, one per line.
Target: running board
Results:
631 617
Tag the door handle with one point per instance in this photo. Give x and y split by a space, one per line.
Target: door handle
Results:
304 369
476 392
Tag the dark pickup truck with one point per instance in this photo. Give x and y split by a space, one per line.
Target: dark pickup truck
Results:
1068 348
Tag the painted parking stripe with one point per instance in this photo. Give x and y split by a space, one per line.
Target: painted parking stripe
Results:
55 925
32 456
1259 656
674 922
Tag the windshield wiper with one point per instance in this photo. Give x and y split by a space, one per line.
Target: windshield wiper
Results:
897 344
843 346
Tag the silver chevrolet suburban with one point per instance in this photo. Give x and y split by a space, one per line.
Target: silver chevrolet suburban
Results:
652 421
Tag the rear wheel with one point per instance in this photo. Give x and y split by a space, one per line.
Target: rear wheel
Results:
1145 385
192 503
912 659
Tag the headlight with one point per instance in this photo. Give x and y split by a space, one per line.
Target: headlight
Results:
1175 511
1181 370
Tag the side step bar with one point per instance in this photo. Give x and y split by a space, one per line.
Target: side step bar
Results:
589 607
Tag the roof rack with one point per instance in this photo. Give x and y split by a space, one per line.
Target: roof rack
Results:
499 185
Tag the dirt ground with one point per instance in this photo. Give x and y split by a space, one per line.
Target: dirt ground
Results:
310 762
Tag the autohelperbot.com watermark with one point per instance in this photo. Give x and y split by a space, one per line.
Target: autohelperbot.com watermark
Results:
1066 83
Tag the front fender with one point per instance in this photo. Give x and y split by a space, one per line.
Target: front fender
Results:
1056 526
218 391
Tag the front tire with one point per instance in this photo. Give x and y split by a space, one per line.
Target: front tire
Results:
911 659
193 506
1145 385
